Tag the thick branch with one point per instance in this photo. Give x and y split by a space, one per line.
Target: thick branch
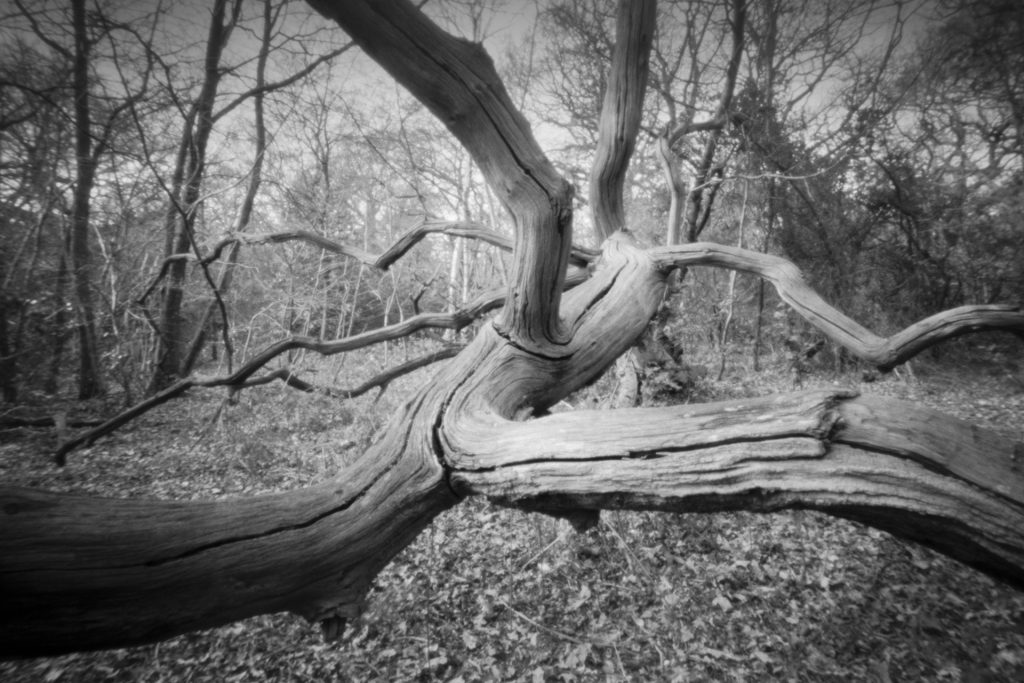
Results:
84 573
312 238
685 128
620 113
916 473
383 379
457 81
79 573
884 352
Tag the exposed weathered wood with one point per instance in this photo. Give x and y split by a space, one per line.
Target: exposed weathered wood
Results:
81 573
621 111
457 81
516 382
884 352
961 491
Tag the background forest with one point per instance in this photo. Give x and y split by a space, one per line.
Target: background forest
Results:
184 184
876 144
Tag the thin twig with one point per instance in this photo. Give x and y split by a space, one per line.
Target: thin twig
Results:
539 625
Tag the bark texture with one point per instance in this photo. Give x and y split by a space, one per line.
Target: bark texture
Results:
457 81
620 113
82 573
79 573
958 490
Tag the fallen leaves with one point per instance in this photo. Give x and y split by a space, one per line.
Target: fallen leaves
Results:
494 594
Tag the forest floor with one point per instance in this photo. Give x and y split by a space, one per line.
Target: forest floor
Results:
489 594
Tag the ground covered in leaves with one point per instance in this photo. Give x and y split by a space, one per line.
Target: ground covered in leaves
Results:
490 594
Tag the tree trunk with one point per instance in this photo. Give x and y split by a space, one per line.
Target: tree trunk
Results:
195 347
8 361
862 458
79 573
90 374
620 114
51 384
173 332
619 124
677 190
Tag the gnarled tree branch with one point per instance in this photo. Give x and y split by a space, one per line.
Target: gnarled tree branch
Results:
456 80
620 113
958 489
883 352
79 573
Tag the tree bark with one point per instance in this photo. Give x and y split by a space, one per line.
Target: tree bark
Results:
889 464
79 573
883 352
90 375
183 204
456 80
620 114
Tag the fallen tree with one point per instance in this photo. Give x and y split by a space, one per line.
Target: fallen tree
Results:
80 573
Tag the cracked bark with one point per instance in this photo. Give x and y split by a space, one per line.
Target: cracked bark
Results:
621 113
81 573
958 490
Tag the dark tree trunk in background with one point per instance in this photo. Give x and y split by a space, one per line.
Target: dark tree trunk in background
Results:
8 362
58 328
202 334
174 333
90 372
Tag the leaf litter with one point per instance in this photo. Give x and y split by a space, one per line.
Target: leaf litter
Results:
488 594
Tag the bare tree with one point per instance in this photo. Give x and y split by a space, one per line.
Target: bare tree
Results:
178 343
92 137
79 573
34 134
67 89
